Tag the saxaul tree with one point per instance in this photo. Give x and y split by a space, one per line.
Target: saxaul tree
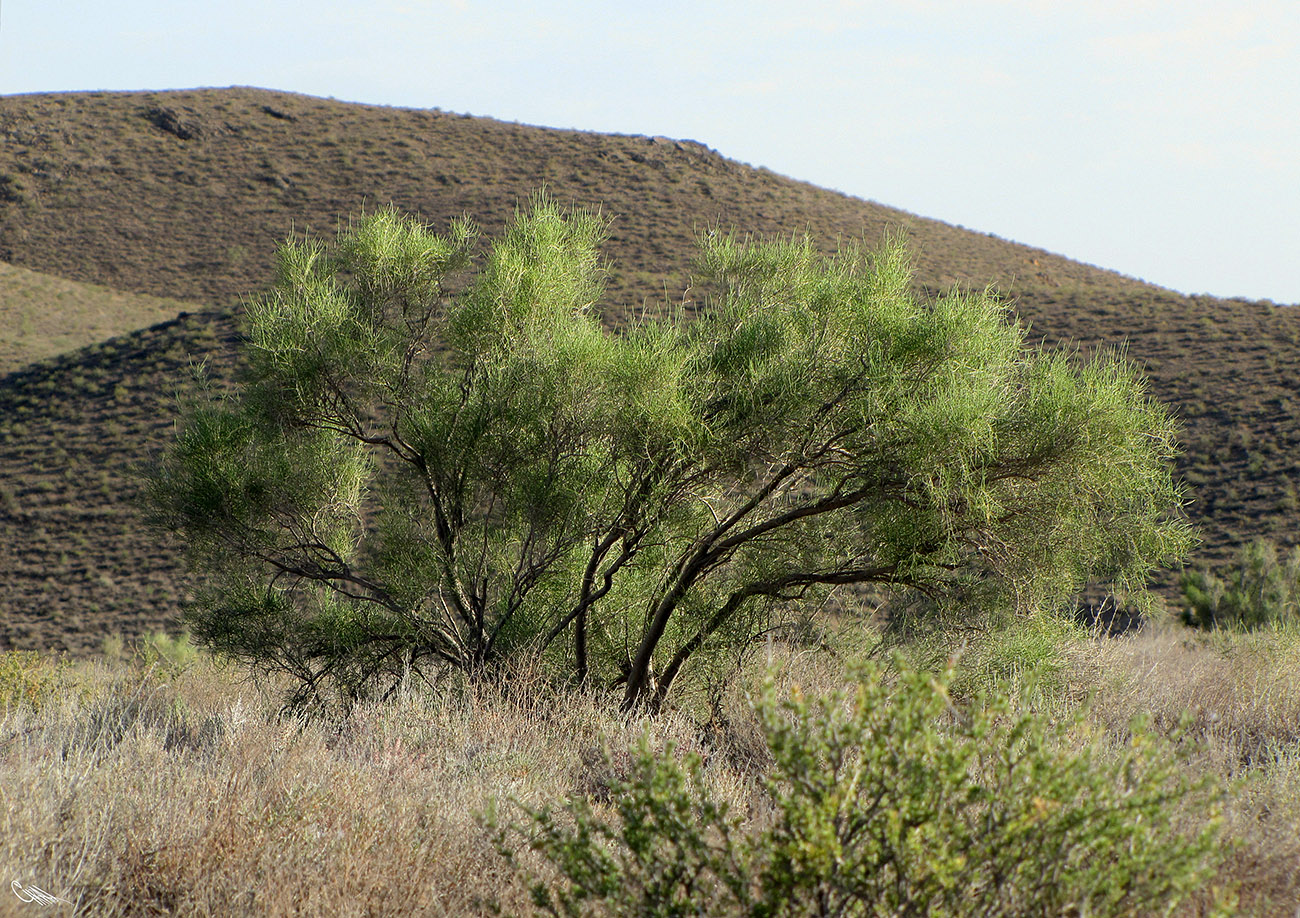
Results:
438 460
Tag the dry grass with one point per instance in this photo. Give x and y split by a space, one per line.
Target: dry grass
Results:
171 789
145 792
1234 700
190 798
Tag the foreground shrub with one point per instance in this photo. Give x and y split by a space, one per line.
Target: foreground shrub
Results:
885 802
424 471
1263 590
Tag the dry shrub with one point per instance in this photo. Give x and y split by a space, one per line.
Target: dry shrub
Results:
190 795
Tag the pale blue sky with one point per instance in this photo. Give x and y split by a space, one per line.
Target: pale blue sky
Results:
1160 139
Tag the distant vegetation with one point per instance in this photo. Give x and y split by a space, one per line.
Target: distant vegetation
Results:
1261 591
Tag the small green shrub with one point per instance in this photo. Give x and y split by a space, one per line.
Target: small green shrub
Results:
671 850
27 678
885 801
172 654
1006 656
1263 590
112 646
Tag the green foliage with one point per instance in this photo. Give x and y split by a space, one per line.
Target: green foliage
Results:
670 850
172 654
886 801
427 471
1263 590
29 679
1028 653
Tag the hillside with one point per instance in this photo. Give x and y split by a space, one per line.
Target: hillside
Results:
42 315
184 195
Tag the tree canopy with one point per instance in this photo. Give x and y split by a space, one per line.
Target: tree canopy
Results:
439 458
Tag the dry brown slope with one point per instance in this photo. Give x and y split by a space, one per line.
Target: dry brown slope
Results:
93 188
103 188
76 564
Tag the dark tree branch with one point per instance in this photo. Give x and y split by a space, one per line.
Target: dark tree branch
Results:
775 588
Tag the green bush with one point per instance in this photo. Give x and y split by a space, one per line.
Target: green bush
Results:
1009 656
426 471
27 678
671 849
1263 590
886 801
173 654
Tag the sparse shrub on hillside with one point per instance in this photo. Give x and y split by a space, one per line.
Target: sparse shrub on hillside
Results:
413 479
1262 590
172 655
885 801
112 647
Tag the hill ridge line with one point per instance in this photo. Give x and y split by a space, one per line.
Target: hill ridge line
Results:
103 188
